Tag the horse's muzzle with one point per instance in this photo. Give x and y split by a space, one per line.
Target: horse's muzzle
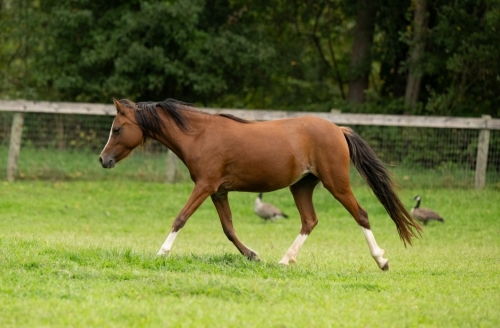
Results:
107 163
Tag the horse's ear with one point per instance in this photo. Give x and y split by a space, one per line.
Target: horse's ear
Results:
119 109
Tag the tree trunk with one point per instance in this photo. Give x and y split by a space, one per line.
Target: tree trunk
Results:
360 58
420 26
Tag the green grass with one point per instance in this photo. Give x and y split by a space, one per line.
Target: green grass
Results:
83 254
71 165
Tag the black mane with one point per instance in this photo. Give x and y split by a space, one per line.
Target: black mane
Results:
149 120
235 118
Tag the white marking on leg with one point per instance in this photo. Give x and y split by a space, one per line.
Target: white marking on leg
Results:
291 253
167 245
376 252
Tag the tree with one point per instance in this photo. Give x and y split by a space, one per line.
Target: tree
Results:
20 37
287 54
145 50
390 49
461 65
361 51
420 25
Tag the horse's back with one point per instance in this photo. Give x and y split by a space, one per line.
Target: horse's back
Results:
298 138
315 134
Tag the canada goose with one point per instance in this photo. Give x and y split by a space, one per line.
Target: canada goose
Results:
267 211
424 215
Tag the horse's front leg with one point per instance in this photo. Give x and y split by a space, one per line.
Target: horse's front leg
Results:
222 205
198 196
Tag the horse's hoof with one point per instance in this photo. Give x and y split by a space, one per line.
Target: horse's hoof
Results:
386 266
286 261
253 257
163 252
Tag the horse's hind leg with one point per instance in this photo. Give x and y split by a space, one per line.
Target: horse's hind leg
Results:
339 187
222 205
302 192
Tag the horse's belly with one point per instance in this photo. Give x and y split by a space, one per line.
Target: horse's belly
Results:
267 161
259 179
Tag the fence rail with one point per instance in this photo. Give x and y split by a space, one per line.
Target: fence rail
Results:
484 125
257 114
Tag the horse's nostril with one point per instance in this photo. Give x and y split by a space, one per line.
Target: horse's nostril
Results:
106 162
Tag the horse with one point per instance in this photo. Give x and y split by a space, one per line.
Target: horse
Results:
226 153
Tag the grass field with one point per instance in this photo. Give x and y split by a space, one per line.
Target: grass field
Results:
82 254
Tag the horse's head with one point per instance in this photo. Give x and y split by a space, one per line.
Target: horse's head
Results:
124 136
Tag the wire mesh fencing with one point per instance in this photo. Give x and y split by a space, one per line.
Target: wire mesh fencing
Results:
67 147
433 157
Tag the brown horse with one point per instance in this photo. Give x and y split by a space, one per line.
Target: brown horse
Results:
225 153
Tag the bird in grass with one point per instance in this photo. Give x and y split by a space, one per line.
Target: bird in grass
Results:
423 214
267 211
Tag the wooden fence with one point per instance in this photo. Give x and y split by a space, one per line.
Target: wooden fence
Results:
483 124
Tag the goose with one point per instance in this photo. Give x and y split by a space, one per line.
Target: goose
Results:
267 211
422 214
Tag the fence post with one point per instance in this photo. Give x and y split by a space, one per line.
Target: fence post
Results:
16 133
172 167
482 156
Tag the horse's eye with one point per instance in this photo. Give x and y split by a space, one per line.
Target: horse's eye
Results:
116 130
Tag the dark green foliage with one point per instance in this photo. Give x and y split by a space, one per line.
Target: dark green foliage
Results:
462 67
391 50
21 41
281 54
145 50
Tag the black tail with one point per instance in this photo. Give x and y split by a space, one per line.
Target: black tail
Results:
380 181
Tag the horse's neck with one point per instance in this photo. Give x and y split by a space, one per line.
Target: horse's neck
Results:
177 140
